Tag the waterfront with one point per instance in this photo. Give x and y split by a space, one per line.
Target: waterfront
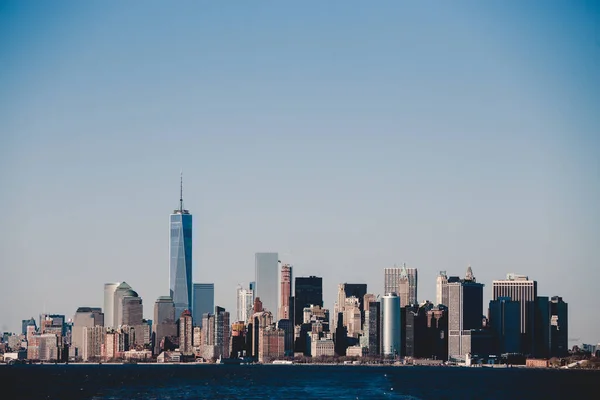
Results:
290 382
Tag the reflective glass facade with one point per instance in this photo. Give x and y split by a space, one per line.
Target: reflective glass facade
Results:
180 261
267 277
204 301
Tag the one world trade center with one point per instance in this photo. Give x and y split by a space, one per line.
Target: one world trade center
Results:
180 257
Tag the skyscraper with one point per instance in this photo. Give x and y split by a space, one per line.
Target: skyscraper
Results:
285 291
164 321
245 304
222 332
505 319
559 327
204 301
186 333
308 291
109 303
441 287
180 257
520 288
266 278
465 313
391 326
403 282
85 317
121 292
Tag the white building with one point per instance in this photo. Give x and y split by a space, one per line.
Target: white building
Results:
245 304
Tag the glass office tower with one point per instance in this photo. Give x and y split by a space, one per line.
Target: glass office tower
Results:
204 301
267 277
180 258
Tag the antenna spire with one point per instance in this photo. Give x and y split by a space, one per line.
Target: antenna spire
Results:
181 191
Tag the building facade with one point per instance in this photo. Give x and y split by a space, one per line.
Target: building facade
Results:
505 320
204 301
180 257
524 291
164 321
441 288
245 304
391 325
308 291
465 314
285 291
109 303
266 280
403 282
186 333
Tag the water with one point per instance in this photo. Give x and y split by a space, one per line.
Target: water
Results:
290 382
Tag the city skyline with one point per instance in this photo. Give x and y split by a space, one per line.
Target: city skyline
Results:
346 138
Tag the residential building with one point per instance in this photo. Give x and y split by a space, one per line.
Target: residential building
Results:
285 291
186 336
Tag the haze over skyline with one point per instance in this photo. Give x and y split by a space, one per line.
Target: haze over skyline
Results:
346 137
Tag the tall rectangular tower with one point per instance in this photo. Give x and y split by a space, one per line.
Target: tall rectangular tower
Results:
204 301
441 288
180 257
308 291
285 291
266 278
465 314
519 288
403 282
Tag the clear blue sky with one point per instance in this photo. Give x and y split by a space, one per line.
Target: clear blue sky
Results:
346 136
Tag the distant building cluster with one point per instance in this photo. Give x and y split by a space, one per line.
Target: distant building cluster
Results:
280 316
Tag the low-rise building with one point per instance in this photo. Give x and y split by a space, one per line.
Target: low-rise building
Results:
536 363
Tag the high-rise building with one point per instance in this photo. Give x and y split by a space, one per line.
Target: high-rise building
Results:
441 288
437 332
559 327
164 321
403 282
372 329
121 291
207 345
109 303
345 291
519 288
465 314
391 327
180 257
245 304
133 311
222 332
285 291
308 291
27 322
204 301
266 277
186 333
542 327
505 320
85 317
